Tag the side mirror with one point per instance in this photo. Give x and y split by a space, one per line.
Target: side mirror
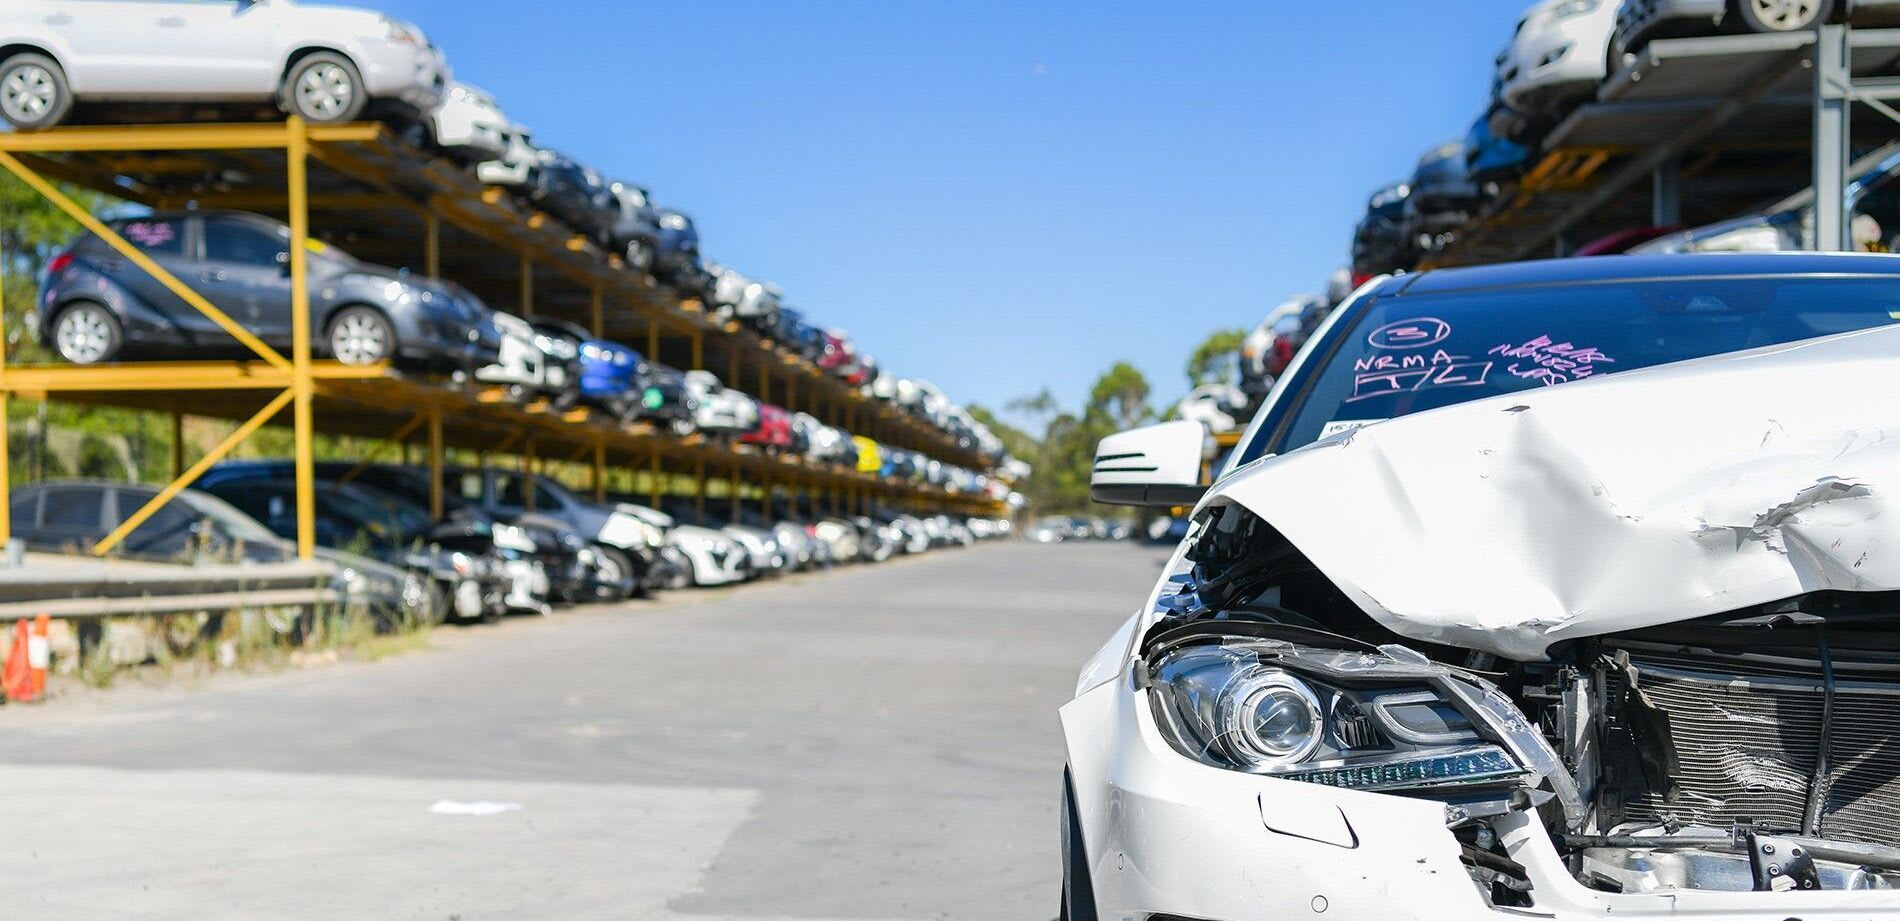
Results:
1155 466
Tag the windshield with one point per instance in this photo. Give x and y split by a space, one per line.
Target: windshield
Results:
1400 355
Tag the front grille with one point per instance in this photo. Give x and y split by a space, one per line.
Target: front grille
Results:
1746 741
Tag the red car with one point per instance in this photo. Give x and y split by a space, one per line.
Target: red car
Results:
839 355
774 429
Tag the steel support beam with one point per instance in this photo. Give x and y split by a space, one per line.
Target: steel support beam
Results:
1665 198
296 158
1833 91
435 463
192 473
527 285
432 245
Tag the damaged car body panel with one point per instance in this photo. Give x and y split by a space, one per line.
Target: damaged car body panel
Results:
1627 647
1511 523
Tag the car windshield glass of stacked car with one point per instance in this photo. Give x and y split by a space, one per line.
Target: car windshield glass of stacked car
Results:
1404 355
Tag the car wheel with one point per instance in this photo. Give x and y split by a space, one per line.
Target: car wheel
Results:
33 91
87 333
1078 896
361 336
1783 15
613 570
682 427
683 576
324 87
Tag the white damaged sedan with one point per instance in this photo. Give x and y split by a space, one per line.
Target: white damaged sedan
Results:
1619 648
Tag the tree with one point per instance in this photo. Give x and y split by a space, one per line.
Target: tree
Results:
1120 396
1217 358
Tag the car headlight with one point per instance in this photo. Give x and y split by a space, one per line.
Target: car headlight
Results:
622 530
510 537
1251 705
402 33
1575 8
464 565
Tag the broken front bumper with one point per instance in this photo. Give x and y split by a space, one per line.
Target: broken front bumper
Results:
1165 835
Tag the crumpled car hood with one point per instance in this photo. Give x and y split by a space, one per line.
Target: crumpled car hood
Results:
1599 506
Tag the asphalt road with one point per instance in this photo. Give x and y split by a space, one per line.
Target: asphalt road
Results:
877 742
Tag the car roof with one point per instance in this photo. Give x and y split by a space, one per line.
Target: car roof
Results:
1647 267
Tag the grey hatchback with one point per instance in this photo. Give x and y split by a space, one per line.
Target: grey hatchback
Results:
96 306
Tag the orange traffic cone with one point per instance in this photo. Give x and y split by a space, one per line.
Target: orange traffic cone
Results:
16 681
24 677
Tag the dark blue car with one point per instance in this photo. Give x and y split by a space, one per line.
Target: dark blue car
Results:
677 261
609 376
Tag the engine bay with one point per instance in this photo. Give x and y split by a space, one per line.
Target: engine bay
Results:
1756 750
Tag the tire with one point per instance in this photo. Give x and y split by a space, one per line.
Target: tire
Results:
615 568
87 333
681 426
1782 15
360 336
324 88
33 91
1078 895
686 577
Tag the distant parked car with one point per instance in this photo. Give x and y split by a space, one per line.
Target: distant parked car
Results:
1444 196
624 544
1557 57
1270 347
1622 241
1220 407
518 162
665 398
520 365
773 431
718 408
607 374
870 454
358 519
635 231
1873 206
576 195
1637 23
1383 242
324 63
794 333
468 125
1491 158
96 306
676 263
73 515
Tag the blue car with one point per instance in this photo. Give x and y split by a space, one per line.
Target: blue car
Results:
609 372
676 263
1491 158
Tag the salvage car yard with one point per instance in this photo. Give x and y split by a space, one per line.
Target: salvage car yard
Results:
408 516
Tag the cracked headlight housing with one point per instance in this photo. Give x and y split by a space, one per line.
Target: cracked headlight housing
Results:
1248 706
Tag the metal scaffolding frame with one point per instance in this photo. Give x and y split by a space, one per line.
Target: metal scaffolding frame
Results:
1714 126
380 176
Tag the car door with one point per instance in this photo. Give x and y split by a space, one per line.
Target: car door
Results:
170 242
165 49
71 516
218 48
245 273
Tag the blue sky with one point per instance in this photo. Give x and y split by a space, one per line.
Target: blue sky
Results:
1000 196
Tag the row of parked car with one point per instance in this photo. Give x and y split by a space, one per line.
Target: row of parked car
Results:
1559 56
65 60
94 306
507 543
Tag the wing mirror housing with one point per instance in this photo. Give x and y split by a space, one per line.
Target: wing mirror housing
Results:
1155 466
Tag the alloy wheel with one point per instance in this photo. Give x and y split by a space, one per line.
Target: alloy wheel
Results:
325 91
27 92
84 335
1785 15
359 339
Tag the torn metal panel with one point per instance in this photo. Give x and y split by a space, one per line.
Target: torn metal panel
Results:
1606 505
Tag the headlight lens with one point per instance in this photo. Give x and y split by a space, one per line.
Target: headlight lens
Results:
1245 705
1575 8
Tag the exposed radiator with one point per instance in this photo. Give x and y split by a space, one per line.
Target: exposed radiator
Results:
1746 742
